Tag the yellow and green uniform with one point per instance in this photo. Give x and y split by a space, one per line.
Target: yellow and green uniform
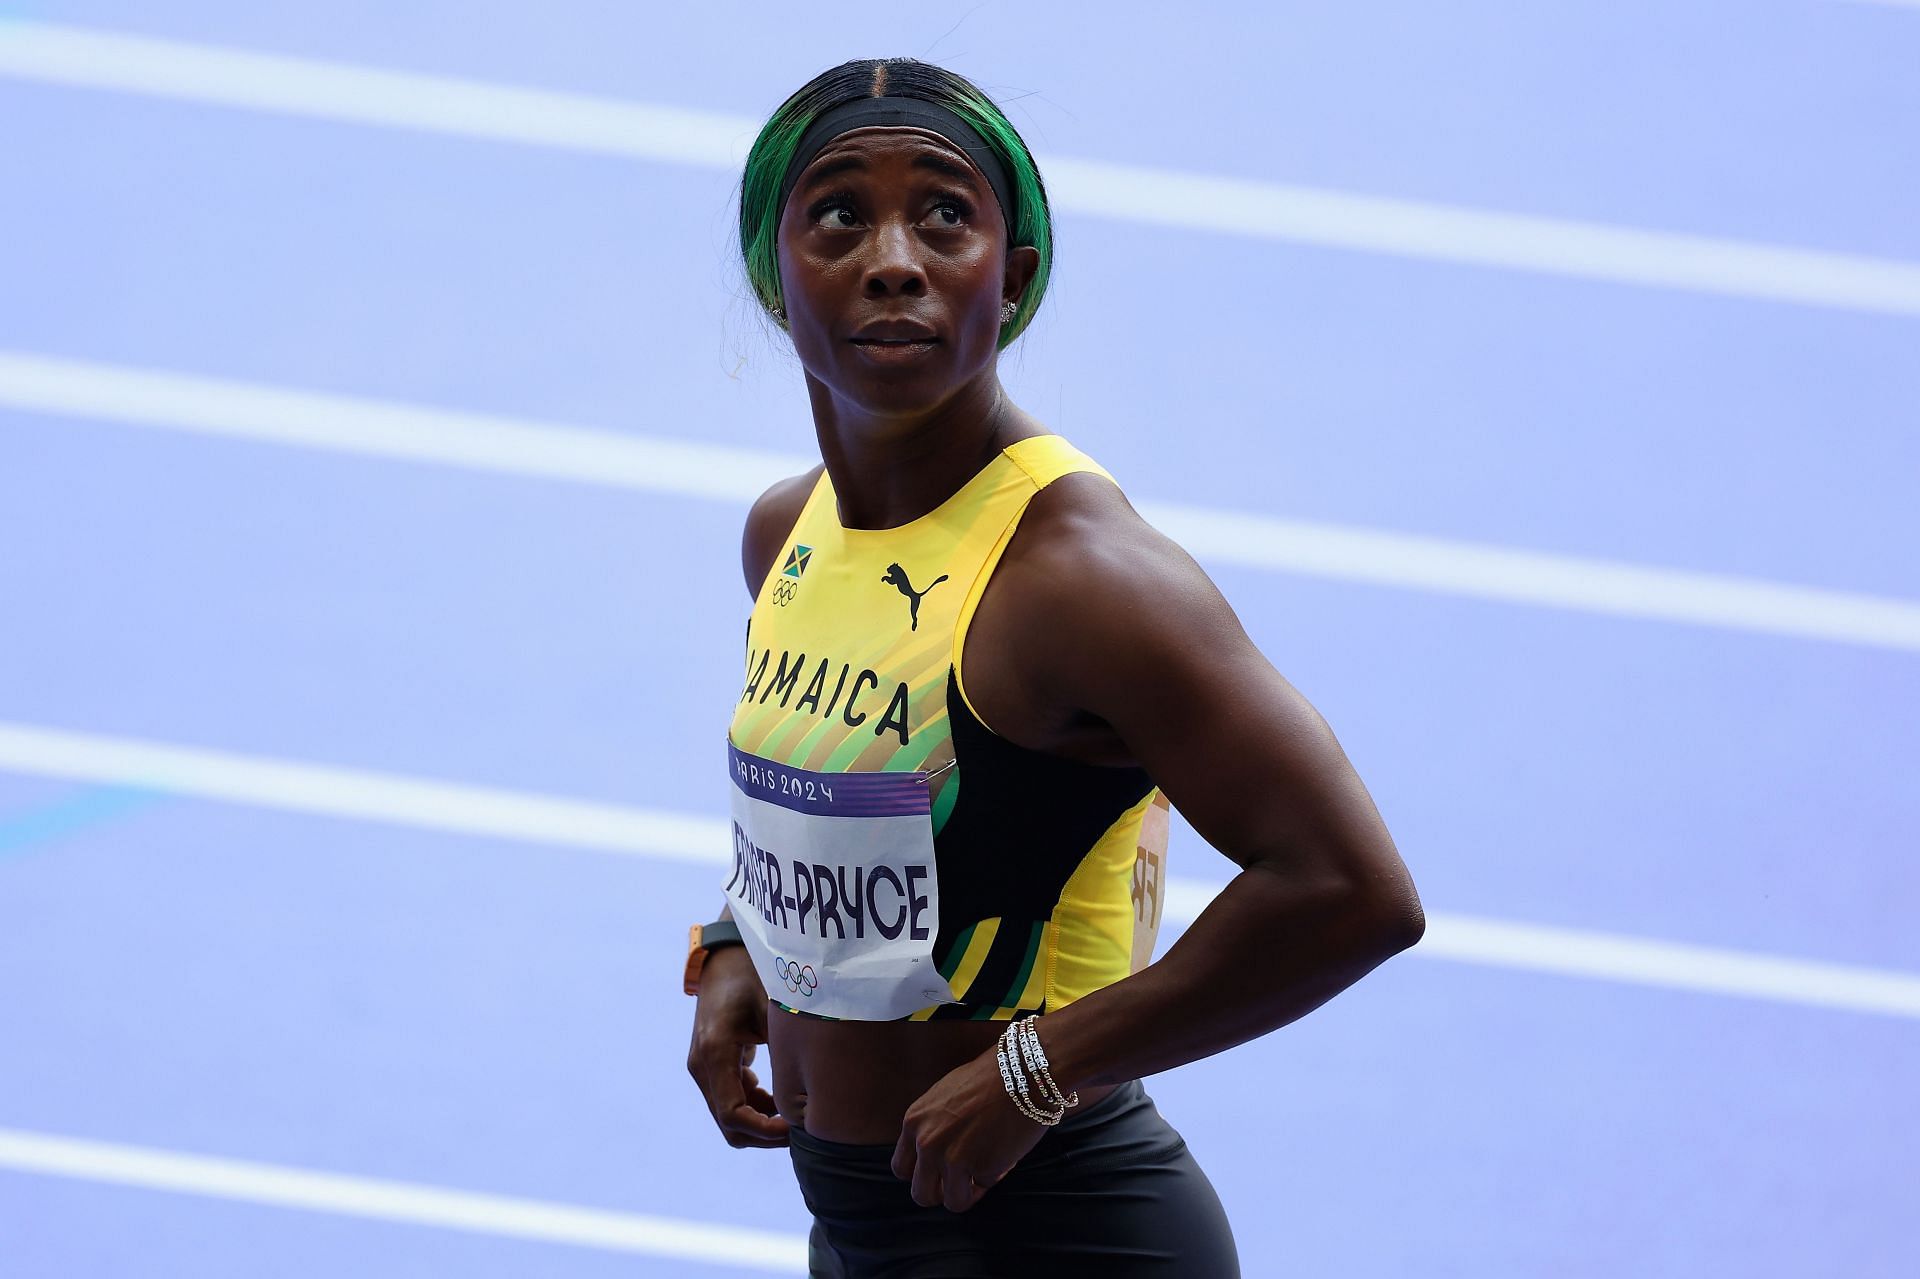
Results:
1050 872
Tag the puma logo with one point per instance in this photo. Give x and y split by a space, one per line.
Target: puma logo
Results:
897 577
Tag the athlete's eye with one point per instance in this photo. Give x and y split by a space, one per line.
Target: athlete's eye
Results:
834 213
951 211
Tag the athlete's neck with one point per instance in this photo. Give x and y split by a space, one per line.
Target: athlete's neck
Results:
891 470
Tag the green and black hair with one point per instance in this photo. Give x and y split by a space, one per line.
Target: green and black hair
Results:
1030 218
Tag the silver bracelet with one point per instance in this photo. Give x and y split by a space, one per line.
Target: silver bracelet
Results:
1015 1081
1021 1101
1029 1037
1024 1097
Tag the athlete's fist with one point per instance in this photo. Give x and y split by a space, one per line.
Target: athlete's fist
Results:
729 1024
962 1136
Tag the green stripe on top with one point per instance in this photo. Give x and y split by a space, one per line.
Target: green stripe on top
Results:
1009 1001
994 985
772 745
809 746
951 964
801 1012
1019 984
927 707
943 802
847 751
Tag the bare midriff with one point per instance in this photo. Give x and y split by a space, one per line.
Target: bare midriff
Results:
852 1081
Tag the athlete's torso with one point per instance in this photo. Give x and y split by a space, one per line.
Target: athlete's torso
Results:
896 859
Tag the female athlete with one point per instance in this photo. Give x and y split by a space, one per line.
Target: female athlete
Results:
975 680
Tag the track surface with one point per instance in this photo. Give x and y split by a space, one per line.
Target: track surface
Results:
500 1016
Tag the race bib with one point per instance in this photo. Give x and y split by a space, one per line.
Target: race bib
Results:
834 888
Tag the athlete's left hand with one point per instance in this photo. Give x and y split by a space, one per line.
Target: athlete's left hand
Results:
962 1137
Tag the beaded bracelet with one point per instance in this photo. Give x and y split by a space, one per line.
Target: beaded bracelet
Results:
1016 1083
1026 1045
1029 1040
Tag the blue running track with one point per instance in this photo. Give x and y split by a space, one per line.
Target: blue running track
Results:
352 804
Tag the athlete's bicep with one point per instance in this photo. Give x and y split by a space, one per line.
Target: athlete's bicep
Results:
1159 655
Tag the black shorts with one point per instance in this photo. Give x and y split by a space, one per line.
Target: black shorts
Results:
1109 1192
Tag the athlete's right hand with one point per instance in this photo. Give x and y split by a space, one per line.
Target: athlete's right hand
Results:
729 1023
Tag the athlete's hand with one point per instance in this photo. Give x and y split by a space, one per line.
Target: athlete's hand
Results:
962 1136
729 1023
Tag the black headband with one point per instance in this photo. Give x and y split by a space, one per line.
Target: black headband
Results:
917 113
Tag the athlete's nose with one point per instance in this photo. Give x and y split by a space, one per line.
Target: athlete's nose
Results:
894 263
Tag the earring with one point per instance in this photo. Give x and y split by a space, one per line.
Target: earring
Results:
1008 311
780 314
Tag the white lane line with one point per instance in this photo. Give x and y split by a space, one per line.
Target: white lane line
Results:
79 57
409 1203
1540 579
92 59
1480 237
359 795
348 424
1638 961
1576 952
273 415
638 832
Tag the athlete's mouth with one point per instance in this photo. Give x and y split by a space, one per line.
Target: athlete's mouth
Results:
898 332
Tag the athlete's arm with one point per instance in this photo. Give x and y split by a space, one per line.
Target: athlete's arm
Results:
1115 624
1100 639
730 1017
729 1025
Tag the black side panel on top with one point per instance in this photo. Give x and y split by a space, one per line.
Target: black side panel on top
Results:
1021 825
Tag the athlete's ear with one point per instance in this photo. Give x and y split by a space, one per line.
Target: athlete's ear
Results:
1022 263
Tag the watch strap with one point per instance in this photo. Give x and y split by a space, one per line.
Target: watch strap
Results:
702 938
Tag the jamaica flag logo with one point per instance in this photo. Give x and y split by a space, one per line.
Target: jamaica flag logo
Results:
796 565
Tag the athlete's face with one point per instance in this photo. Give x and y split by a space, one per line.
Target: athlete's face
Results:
894 266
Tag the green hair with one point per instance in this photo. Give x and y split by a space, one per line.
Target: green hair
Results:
1030 220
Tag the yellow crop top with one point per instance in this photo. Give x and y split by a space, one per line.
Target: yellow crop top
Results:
1050 872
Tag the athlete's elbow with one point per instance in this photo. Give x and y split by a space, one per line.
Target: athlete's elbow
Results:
1392 917
1408 926
1376 916
1364 911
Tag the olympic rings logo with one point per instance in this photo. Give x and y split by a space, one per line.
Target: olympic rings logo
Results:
800 978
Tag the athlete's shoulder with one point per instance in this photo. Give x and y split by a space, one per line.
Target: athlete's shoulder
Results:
773 513
1090 603
1083 520
1089 562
